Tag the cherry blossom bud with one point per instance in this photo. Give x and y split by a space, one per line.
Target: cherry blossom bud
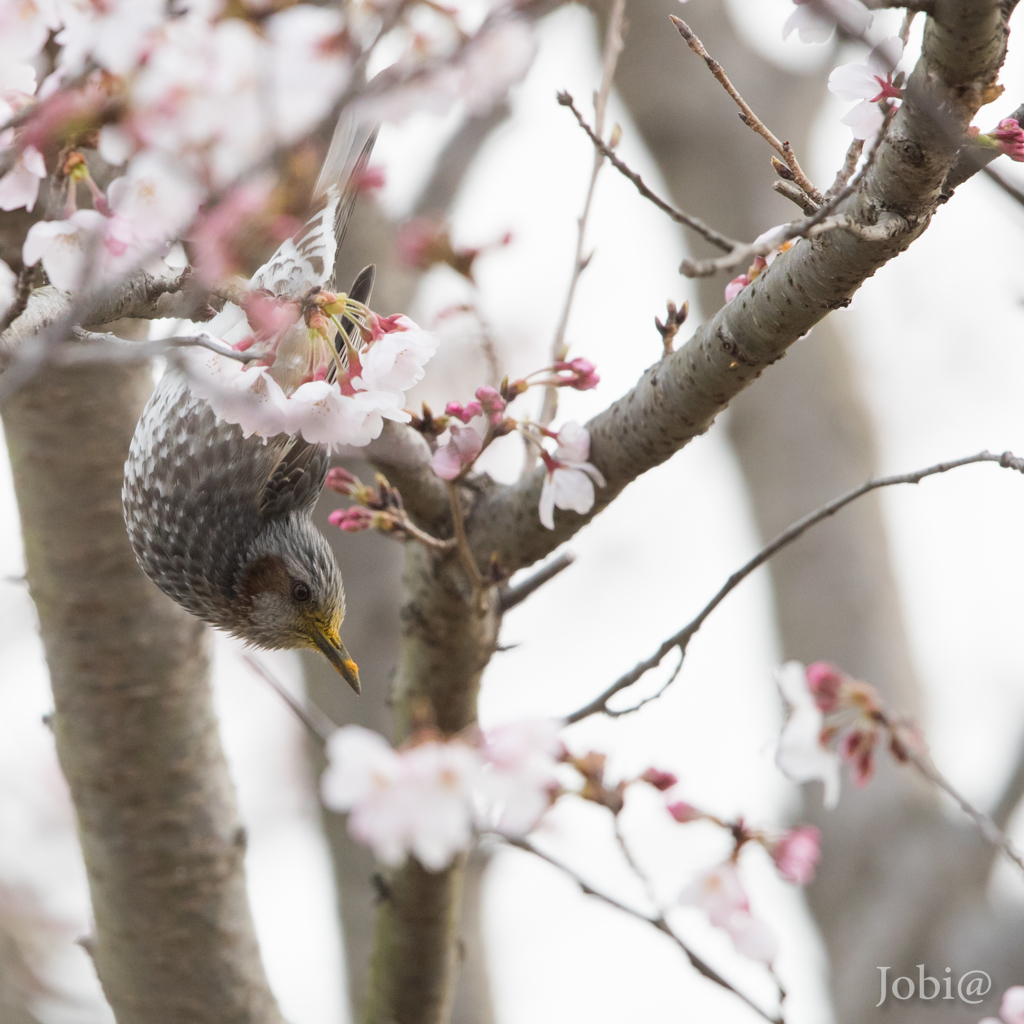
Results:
858 750
584 375
352 520
683 812
421 243
341 481
658 779
796 855
1009 137
492 403
463 413
824 681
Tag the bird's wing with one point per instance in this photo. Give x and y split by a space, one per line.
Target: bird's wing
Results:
297 480
306 260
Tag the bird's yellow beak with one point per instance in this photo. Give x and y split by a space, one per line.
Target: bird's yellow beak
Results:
327 639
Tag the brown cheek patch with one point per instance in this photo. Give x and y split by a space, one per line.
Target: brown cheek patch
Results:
266 573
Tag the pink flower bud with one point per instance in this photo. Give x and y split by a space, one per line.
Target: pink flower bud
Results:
341 481
584 375
1009 137
684 812
858 750
796 855
351 520
465 414
824 681
658 779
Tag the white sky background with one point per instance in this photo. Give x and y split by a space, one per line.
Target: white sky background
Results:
938 351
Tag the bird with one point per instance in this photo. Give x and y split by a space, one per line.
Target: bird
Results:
222 523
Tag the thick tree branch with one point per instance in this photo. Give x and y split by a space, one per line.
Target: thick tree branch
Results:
678 398
134 722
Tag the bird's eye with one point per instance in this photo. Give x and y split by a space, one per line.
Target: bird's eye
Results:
301 591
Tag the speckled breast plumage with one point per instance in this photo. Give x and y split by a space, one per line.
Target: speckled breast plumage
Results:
197 495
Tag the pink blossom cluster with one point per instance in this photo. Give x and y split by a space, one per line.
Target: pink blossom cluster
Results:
428 798
269 398
832 719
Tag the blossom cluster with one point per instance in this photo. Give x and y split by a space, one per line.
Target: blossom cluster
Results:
324 401
428 798
1011 1008
833 719
190 101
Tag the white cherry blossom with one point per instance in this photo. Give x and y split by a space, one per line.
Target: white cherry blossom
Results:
520 778
19 187
868 83
323 415
800 755
157 199
115 33
570 478
720 894
67 247
816 22
25 26
396 361
414 801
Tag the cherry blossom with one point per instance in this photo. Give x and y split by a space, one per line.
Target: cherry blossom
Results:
114 33
460 451
155 197
17 87
720 894
413 801
66 247
519 778
397 360
797 854
801 755
570 478
869 83
815 20
19 187
1012 1007
24 28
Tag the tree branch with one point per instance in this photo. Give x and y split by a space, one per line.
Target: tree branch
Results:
678 398
682 638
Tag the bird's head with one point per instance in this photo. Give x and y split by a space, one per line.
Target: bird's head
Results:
290 594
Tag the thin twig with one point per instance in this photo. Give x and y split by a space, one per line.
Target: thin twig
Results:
311 716
559 348
681 639
1011 190
988 828
658 922
795 194
750 119
679 216
853 154
511 596
109 348
817 223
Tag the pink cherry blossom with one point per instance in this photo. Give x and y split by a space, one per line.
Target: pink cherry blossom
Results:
519 778
800 755
1010 138
19 187
460 451
735 286
570 478
869 82
720 894
415 801
1012 1007
797 854
815 22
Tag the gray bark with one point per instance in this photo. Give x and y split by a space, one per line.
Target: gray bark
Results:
136 733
